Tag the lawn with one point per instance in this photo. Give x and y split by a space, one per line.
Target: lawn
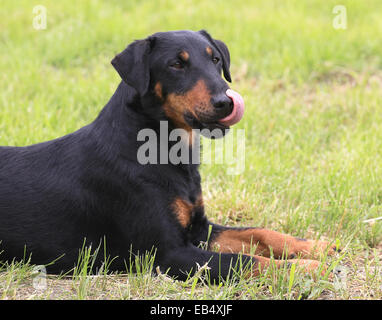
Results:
313 129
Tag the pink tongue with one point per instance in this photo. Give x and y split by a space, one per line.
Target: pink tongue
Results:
238 109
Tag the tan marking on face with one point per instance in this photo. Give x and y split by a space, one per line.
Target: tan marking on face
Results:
183 210
184 55
209 51
158 90
193 101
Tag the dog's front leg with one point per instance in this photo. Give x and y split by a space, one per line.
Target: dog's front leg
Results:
260 241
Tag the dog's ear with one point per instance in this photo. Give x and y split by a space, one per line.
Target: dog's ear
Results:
223 50
132 64
226 58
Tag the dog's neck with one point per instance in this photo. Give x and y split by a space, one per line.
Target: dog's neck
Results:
123 118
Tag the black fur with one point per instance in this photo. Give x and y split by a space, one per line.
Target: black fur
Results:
89 184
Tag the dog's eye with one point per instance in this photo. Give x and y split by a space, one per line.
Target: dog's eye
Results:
176 65
215 60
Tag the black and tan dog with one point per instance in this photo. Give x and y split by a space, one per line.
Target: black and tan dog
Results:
89 184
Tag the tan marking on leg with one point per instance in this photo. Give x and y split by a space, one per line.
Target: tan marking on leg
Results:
264 241
183 211
199 201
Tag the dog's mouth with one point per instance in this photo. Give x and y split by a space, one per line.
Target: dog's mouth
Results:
210 125
206 126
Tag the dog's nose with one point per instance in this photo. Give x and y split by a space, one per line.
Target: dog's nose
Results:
222 102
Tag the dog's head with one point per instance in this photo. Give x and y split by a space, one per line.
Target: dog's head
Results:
178 74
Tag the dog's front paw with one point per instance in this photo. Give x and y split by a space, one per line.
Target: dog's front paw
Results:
312 249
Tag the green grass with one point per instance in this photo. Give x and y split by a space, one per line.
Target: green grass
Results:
313 128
